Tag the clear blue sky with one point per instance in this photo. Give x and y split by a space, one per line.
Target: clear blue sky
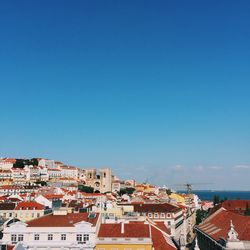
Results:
157 90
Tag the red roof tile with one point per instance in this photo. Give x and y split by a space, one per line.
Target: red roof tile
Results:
153 207
29 205
62 220
161 242
218 224
131 230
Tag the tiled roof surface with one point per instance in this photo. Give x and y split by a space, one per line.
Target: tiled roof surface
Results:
29 205
237 206
218 224
53 196
161 242
7 206
62 220
131 230
163 207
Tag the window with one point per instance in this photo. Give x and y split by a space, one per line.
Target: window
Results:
50 236
169 223
13 239
85 237
150 215
63 236
79 238
156 215
162 215
36 237
20 237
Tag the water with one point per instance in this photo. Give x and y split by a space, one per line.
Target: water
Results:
230 195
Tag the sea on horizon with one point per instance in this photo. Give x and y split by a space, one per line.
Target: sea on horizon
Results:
230 195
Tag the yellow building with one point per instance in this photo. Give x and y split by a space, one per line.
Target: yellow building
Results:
29 210
124 236
178 198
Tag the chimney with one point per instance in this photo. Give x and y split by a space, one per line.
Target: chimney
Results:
122 227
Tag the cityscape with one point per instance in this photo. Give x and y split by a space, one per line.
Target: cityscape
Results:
45 204
124 125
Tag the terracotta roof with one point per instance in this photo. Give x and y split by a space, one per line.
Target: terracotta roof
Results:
131 230
161 225
62 220
161 242
29 205
217 225
5 171
10 160
153 207
7 206
236 206
53 196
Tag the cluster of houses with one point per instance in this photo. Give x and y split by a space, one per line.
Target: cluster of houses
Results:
59 215
45 208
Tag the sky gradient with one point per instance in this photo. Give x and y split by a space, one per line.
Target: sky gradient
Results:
159 91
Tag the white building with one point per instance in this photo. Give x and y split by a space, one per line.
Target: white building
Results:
46 163
7 163
55 232
69 172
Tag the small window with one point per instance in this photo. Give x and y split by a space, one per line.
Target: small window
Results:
79 238
169 223
20 237
13 238
50 236
63 236
36 237
85 237
162 215
156 215
150 215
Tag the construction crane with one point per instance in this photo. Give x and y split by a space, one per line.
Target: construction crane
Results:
188 186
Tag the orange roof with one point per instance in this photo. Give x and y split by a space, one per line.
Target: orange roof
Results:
161 225
62 220
5 171
9 160
131 230
160 242
53 196
217 225
91 194
29 205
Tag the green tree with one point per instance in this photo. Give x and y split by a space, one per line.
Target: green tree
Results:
168 191
126 191
216 199
247 211
200 216
85 189
42 183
